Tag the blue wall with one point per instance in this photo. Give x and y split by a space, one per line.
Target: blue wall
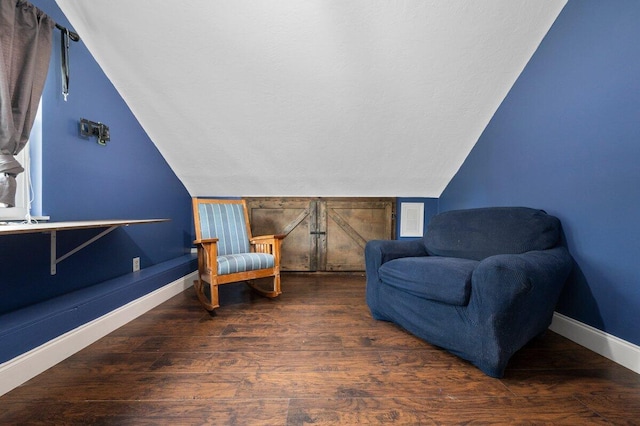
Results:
567 139
81 180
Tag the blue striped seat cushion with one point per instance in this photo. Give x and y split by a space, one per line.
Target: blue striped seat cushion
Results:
231 263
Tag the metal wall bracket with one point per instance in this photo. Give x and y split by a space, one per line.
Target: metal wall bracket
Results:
52 228
55 260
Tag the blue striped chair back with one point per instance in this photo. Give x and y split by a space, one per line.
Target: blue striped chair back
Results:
225 222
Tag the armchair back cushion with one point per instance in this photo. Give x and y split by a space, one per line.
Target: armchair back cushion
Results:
479 233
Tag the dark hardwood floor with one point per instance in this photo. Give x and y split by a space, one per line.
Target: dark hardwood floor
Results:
312 356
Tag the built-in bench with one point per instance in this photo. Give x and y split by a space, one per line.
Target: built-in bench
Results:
30 327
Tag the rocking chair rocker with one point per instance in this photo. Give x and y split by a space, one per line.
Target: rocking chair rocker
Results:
227 252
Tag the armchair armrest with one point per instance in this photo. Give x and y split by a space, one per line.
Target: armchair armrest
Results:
512 301
506 276
519 287
378 252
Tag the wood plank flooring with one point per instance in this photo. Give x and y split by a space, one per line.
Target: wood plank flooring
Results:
312 356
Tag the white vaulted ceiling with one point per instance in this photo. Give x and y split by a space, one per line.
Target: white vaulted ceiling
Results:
313 97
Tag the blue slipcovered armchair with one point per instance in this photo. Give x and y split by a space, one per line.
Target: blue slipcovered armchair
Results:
481 283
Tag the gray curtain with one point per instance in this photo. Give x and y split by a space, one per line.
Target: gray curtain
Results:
25 44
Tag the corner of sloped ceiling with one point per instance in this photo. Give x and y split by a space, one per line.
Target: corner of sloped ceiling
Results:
313 98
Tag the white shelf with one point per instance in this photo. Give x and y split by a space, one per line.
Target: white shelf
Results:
53 227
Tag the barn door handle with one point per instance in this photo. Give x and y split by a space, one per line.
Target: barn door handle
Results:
318 233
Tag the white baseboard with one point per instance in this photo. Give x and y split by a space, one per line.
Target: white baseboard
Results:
618 350
24 367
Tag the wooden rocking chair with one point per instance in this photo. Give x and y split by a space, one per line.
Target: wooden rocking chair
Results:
228 253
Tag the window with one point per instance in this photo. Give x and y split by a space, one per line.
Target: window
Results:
23 190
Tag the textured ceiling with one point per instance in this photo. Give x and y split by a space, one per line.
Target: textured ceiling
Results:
313 97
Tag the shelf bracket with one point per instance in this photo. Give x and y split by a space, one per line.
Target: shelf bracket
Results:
52 228
55 260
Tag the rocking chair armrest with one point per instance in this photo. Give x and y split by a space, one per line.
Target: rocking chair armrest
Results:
207 255
262 238
206 241
267 244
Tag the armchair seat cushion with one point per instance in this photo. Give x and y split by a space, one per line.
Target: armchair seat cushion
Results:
243 262
443 279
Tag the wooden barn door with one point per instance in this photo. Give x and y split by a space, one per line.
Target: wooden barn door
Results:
349 224
323 234
293 217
